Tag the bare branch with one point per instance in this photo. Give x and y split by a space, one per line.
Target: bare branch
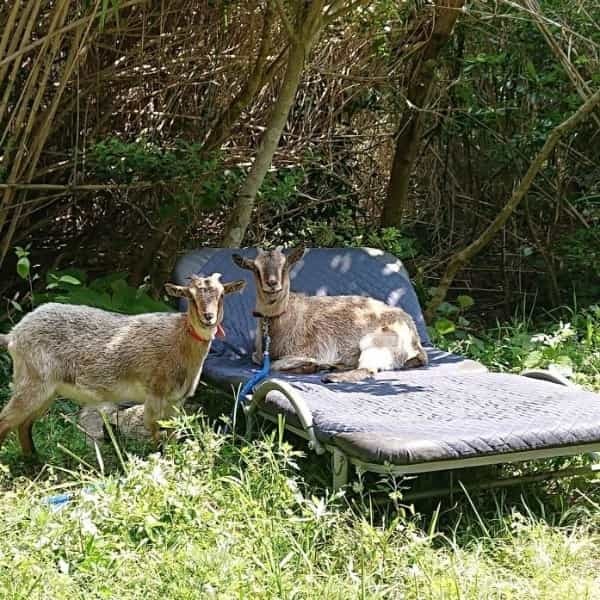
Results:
292 33
460 259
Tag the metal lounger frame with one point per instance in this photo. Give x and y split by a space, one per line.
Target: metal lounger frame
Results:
341 461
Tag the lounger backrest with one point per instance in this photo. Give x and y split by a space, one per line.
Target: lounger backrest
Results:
322 271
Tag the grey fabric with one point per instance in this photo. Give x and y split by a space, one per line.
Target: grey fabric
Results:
451 409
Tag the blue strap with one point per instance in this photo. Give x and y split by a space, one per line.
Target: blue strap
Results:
259 376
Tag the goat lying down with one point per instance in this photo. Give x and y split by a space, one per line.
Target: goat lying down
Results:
93 357
354 335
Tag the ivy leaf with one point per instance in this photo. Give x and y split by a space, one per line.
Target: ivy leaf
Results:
465 301
446 308
533 359
69 279
444 326
564 360
23 267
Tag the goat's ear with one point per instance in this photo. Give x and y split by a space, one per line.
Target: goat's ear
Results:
243 263
177 291
295 255
234 286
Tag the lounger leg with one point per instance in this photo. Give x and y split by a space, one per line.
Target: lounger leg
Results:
249 414
340 469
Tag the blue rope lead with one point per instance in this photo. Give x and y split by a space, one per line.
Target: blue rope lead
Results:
259 376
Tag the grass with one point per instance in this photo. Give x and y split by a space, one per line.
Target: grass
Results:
212 518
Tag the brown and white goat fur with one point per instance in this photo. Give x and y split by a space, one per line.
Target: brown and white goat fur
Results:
355 335
93 357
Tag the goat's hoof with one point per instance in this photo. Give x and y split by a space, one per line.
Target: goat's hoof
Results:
32 458
329 378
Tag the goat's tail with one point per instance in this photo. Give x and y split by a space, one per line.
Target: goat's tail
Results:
3 341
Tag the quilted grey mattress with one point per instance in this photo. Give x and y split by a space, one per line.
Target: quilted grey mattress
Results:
449 410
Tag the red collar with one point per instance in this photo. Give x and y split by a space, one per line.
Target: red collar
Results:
199 338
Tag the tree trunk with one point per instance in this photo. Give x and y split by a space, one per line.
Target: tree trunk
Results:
303 39
460 259
411 125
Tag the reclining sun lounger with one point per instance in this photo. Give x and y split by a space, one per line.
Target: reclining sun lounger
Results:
449 415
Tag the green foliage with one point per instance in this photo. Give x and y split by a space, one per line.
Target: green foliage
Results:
347 231
111 292
568 347
23 263
194 179
450 319
70 286
114 5
280 187
580 254
394 241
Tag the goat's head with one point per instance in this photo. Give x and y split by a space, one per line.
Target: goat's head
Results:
271 270
205 298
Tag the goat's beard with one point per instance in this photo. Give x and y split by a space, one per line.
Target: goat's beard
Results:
271 298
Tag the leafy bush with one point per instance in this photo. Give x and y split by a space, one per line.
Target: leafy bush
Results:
194 178
569 347
580 256
70 286
109 293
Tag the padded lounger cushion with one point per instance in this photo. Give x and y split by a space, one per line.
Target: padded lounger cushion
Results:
449 410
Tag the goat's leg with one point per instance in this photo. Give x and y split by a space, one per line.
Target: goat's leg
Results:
26 437
155 410
151 417
24 407
351 376
382 350
302 365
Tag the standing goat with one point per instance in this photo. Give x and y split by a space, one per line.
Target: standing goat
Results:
94 357
310 333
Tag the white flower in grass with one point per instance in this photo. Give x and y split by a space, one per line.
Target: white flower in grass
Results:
42 541
318 506
63 566
415 571
158 476
563 332
542 558
539 338
88 527
561 369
